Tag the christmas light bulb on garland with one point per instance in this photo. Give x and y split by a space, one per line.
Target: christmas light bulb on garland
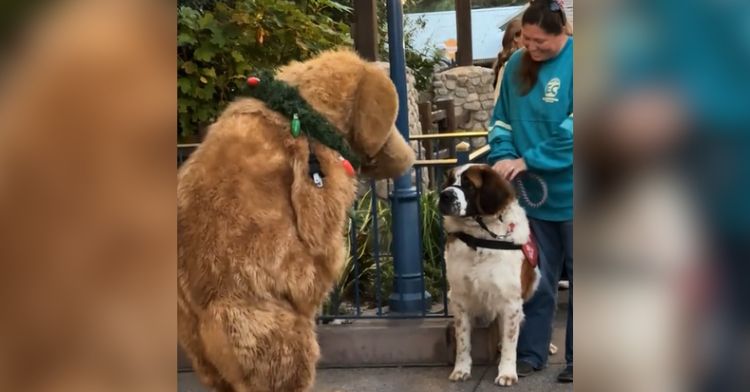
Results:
285 99
295 127
348 168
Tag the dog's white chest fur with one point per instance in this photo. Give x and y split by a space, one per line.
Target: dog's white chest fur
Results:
483 279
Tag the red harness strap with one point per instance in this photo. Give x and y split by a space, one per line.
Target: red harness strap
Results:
531 251
530 248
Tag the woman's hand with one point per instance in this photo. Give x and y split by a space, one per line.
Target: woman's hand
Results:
509 168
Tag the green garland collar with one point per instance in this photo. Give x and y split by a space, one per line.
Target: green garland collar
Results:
285 99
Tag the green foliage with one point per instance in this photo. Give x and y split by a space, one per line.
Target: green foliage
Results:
432 243
198 4
421 62
219 43
361 246
364 251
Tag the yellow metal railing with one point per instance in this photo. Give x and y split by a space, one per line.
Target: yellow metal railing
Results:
442 137
449 135
428 139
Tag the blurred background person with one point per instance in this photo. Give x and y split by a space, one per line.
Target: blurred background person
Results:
511 43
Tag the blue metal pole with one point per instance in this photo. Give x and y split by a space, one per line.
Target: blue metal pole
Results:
409 294
462 157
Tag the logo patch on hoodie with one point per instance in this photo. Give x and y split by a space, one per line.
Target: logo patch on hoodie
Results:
550 92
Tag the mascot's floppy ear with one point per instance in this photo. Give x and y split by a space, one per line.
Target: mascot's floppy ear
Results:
373 134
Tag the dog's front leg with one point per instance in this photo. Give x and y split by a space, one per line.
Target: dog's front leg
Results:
462 326
512 315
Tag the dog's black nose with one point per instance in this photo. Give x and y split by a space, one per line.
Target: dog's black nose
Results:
447 197
446 202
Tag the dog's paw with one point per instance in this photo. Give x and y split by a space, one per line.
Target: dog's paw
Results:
506 378
460 375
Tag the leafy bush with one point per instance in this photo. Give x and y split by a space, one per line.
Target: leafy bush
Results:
220 42
363 241
421 62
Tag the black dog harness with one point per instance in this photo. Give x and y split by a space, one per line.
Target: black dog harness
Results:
474 242
495 243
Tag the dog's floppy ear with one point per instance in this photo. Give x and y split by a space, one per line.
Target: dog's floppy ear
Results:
495 192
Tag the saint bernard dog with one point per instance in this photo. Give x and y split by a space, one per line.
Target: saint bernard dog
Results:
491 262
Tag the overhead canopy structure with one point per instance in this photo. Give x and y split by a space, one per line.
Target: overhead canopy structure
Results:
487 26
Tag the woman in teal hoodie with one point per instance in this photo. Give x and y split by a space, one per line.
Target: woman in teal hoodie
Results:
532 133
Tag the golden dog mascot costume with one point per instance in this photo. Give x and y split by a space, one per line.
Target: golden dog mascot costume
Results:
261 217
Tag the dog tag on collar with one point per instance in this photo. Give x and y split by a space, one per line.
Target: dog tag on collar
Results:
318 180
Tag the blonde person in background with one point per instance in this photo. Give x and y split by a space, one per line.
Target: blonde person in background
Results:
511 43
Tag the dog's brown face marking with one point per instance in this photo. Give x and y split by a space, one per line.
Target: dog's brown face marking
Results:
495 192
475 190
474 175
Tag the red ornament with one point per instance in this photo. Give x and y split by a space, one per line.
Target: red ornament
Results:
348 167
253 81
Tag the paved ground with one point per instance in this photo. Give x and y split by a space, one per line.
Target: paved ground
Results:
421 379
429 379
413 379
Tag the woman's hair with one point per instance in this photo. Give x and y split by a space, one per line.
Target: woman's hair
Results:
512 31
549 15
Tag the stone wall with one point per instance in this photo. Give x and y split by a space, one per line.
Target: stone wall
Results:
473 94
